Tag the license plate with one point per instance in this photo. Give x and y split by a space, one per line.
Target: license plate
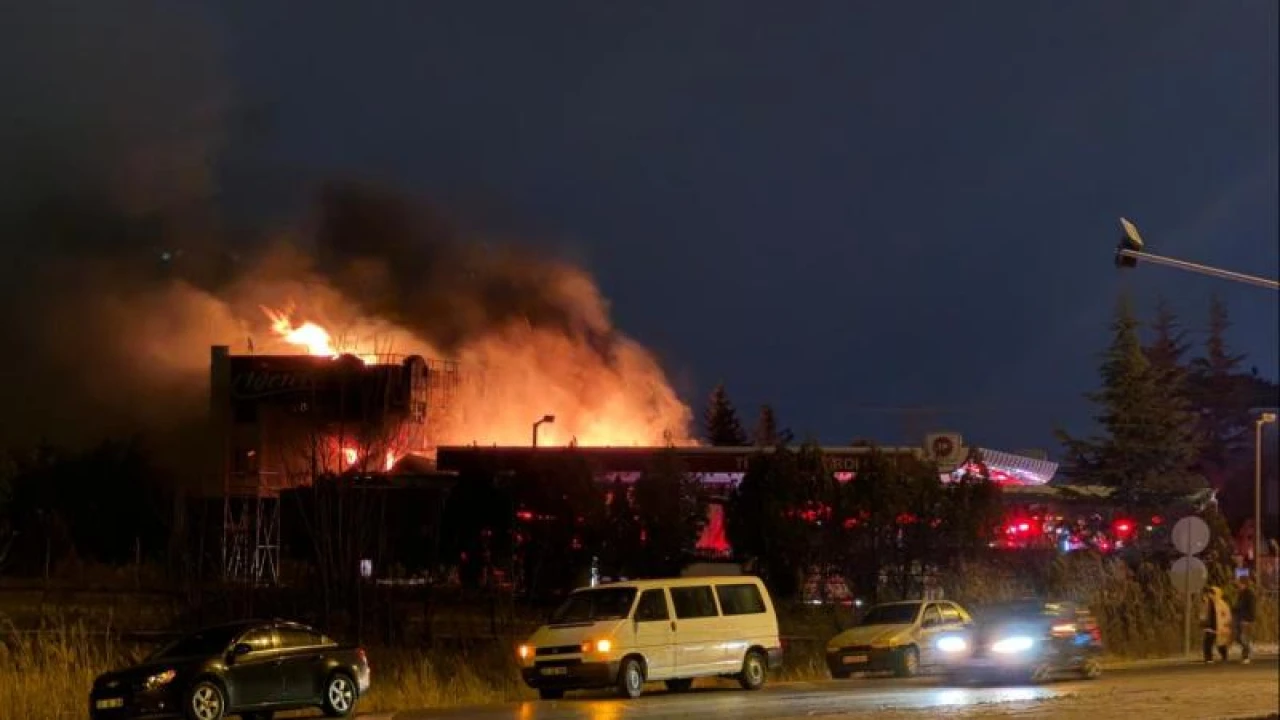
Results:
555 671
109 703
854 659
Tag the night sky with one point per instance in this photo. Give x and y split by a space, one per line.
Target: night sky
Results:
842 208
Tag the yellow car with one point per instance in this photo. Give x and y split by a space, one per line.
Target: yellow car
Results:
896 637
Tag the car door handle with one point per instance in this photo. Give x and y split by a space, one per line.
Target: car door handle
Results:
673 626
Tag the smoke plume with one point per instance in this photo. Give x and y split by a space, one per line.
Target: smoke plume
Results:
122 273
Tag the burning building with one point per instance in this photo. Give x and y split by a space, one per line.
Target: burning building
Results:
282 420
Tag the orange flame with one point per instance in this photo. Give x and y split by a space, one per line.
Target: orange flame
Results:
307 335
529 374
351 455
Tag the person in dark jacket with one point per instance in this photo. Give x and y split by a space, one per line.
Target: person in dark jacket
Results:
1244 613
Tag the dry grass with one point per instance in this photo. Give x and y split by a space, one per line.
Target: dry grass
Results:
47 676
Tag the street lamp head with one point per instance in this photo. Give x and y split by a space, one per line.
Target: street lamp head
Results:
548 418
1266 417
1130 240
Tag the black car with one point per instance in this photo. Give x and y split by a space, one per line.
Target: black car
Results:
1028 640
251 669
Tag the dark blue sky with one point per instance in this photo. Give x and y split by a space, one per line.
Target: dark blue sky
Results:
836 207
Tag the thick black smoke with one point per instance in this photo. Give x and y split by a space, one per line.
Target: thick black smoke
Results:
121 269
408 263
112 121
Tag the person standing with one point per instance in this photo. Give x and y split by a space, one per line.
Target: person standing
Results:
1244 614
1215 619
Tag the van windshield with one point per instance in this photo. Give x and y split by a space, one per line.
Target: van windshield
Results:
595 605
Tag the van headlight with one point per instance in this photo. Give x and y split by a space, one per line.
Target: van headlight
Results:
1011 645
952 644
601 646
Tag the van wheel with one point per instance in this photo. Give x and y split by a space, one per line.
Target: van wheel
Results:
550 694
1091 669
630 679
908 664
754 671
680 685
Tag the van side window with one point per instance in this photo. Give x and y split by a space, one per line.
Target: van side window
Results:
740 599
652 607
693 602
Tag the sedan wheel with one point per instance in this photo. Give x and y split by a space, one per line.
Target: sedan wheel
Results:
206 702
1041 673
908 662
339 696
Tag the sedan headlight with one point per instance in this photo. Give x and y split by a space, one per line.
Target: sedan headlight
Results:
159 680
952 644
1011 645
524 651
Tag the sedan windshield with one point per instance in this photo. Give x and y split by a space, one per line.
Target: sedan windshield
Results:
594 605
1017 609
205 643
894 614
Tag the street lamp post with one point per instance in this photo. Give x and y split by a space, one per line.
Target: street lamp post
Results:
1263 419
545 419
1131 250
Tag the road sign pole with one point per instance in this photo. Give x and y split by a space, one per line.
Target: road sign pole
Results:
1186 614
1190 536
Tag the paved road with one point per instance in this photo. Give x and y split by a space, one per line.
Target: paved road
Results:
1181 690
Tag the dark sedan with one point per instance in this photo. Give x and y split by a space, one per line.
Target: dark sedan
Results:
251 669
1030 640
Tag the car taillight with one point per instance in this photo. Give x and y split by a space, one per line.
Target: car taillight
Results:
1063 630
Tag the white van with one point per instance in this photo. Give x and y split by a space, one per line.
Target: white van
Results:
628 633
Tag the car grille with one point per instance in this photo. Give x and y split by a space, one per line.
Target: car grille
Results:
558 663
558 650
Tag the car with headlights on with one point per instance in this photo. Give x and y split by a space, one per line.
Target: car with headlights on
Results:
896 637
1026 640
674 630
251 669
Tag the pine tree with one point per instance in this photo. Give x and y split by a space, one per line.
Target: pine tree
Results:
1168 348
722 425
672 510
767 433
766 428
622 536
1217 395
1148 442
